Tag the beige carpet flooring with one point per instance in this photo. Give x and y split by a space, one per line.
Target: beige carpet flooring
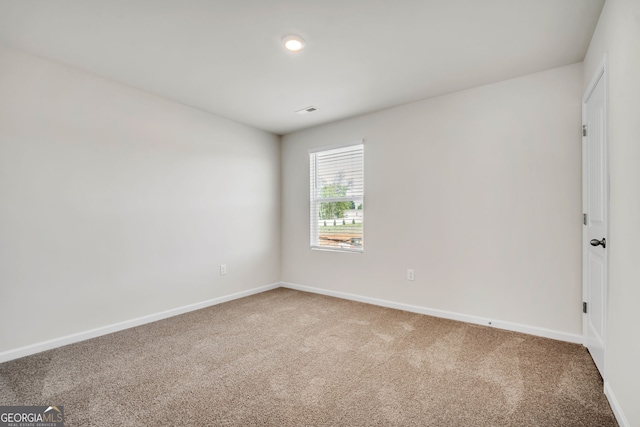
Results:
289 358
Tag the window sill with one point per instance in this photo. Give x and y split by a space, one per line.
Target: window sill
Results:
349 251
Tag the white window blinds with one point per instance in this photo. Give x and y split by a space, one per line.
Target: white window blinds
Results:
337 197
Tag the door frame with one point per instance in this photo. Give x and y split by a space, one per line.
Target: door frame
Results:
601 72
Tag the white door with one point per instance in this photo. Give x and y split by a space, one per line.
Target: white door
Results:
595 186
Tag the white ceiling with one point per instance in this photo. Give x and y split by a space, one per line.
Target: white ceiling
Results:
226 57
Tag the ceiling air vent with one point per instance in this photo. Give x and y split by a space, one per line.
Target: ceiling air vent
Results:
307 110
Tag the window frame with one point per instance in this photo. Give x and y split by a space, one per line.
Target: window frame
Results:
314 236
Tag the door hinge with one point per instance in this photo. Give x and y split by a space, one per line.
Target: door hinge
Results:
584 130
584 219
584 307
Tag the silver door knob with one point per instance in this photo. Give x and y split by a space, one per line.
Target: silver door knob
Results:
596 242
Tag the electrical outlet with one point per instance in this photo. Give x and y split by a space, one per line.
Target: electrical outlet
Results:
223 268
410 275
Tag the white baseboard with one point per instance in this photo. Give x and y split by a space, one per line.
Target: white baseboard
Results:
509 326
93 333
615 406
104 330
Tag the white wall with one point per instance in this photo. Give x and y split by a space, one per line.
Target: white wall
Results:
478 191
618 34
117 204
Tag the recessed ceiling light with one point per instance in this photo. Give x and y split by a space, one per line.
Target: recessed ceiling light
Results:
293 43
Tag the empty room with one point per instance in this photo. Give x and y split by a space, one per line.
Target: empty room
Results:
320 213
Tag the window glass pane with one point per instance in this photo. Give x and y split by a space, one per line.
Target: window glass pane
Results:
340 225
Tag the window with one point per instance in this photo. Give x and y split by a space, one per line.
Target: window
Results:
337 197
